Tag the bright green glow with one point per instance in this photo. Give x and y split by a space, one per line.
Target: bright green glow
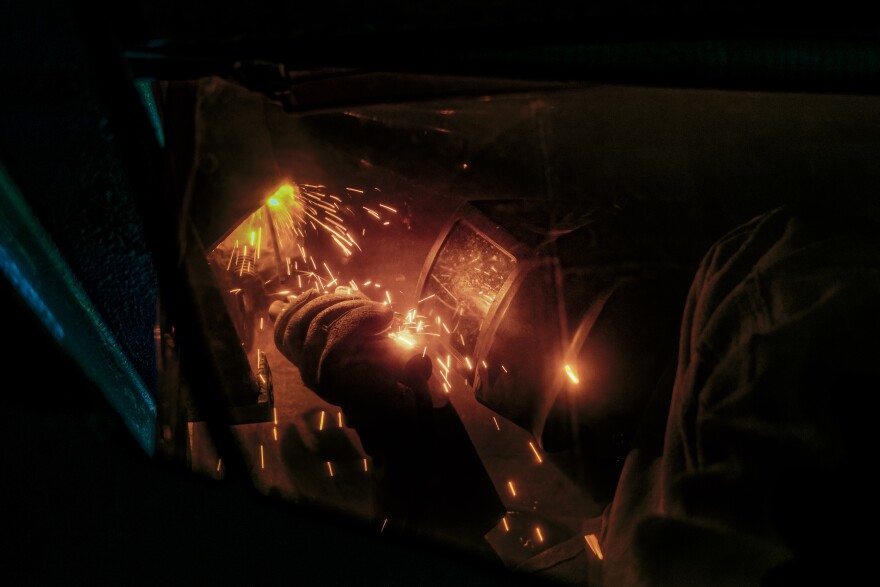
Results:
285 196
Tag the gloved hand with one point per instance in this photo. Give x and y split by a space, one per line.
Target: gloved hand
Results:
341 345
430 478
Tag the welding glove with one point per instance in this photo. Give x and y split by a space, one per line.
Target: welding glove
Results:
340 343
430 478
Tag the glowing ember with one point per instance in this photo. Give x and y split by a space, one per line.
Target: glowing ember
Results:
593 543
339 419
504 523
403 338
512 488
365 465
321 423
262 460
535 450
330 467
571 374
219 464
538 532
497 426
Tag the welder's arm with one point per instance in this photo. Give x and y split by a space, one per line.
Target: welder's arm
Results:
432 479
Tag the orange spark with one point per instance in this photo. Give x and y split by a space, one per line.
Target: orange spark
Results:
497 427
538 532
504 523
330 467
512 489
402 338
535 450
321 423
262 460
228 265
388 208
593 543
571 374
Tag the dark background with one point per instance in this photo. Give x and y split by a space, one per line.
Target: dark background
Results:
81 502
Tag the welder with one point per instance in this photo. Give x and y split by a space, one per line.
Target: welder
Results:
740 454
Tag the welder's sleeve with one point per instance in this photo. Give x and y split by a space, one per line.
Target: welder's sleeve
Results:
431 477
760 477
